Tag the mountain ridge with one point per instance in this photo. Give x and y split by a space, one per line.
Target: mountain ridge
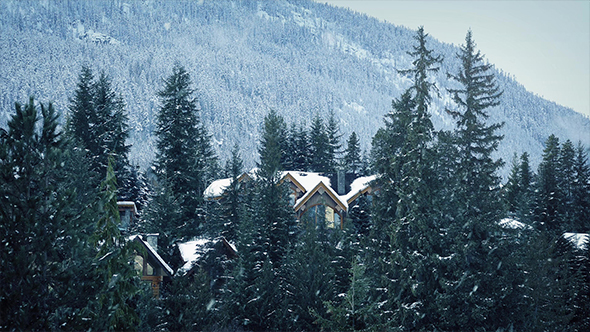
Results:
300 58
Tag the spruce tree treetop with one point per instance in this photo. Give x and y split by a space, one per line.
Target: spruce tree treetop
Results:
549 198
352 156
98 125
320 146
81 106
34 217
479 92
271 150
423 65
334 146
405 207
185 156
475 139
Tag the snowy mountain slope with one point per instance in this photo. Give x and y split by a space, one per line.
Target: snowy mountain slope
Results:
245 57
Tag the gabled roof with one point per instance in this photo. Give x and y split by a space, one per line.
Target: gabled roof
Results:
358 187
305 181
321 185
152 252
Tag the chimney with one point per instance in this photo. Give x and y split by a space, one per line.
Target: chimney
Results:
341 182
152 240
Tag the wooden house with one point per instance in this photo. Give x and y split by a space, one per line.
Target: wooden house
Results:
311 194
149 264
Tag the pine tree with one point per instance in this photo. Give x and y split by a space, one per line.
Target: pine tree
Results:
476 264
518 189
548 197
311 278
189 304
98 124
512 187
386 160
527 178
273 210
110 129
356 311
115 308
231 212
81 108
334 146
300 150
164 215
476 139
360 217
388 142
269 238
416 242
581 192
185 156
567 178
320 158
352 155
34 207
550 285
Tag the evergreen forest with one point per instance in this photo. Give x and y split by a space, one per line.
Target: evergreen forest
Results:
445 244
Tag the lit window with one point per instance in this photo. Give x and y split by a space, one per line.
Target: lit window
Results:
329 217
138 264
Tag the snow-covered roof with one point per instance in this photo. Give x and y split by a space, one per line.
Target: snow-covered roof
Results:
357 186
509 223
580 240
127 204
322 184
153 252
217 187
192 251
308 180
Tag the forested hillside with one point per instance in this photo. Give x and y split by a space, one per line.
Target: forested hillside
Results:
424 234
300 58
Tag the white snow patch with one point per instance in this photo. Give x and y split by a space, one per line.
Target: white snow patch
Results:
308 180
217 187
192 251
580 240
510 223
233 246
359 185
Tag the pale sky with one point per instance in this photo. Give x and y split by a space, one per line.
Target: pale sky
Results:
545 45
